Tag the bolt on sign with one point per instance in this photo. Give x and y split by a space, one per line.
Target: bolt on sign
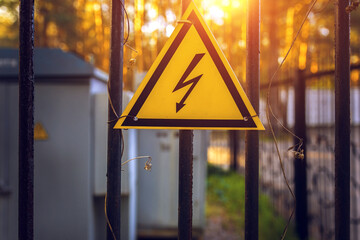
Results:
190 85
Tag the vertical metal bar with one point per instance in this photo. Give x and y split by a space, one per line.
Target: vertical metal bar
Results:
185 184
354 201
113 199
185 175
252 137
300 164
342 121
26 121
233 137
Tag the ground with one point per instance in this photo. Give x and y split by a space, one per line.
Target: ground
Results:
218 228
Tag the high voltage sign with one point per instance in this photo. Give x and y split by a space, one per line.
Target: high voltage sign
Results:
190 85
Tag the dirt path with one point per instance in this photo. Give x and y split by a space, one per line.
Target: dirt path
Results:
219 228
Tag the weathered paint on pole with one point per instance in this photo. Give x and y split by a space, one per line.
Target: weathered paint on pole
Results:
185 184
113 198
342 121
234 149
301 210
185 175
26 121
252 137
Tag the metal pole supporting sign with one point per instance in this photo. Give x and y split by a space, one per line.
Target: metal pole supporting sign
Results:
342 121
26 121
114 149
185 176
252 137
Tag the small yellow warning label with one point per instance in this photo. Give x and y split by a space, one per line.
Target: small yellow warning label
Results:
40 132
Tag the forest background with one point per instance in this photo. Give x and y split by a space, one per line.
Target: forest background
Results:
83 28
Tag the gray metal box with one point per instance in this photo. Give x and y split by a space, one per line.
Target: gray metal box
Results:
158 189
70 165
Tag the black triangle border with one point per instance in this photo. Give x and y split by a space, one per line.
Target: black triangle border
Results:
248 122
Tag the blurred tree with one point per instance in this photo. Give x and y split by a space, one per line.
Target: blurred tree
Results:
56 24
83 27
9 23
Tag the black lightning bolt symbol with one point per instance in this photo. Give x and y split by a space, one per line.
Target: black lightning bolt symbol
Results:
193 81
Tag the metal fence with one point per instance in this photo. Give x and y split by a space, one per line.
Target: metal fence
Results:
320 152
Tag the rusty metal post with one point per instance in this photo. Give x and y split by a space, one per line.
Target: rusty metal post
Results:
185 184
26 121
185 176
234 147
252 137
113 199
300 164
342 121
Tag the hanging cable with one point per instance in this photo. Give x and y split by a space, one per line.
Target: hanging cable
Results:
296 147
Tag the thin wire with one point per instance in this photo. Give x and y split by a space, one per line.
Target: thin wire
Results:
105 204
147 163
131 48
110 102
277 70
124 43
246 118
269 110
115 113
322 8
353 6
128 22
122 145
117 118
184 21
284 175
107 219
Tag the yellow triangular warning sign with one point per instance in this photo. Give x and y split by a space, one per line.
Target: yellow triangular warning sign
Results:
40 132
190 85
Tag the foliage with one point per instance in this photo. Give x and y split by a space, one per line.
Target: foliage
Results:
227 189
9 23
83 27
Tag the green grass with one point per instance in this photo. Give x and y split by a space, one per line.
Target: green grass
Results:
226 197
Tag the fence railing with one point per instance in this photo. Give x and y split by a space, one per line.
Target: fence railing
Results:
313 120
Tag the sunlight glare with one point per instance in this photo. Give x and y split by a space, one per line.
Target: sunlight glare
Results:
236 4
324 31
226 3
96 7
216 14
280 59
242 43
169 29
170 16
354 59
152 12
150 27
354 76
6 16
302 55
217 10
